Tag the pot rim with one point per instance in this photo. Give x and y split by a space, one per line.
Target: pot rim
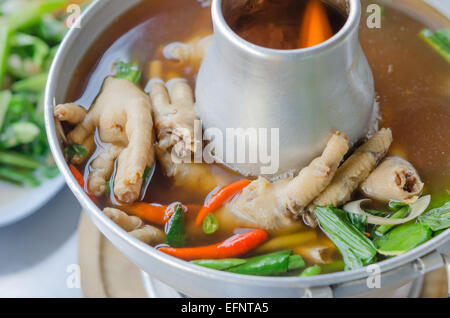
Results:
165 260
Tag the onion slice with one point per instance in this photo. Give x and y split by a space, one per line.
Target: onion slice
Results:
417 208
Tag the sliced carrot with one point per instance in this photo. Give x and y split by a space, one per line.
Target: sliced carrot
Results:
153 213
156 213
80 179
235 246
220 198
316 27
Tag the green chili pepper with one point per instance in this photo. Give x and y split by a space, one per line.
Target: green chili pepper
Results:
295 262
403 239
311 271
210 224
333 267
176 235
265 265
222 264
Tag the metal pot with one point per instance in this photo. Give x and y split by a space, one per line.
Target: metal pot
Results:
307 94
189 279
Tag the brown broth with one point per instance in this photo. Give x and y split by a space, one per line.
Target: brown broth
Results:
412 84
276 24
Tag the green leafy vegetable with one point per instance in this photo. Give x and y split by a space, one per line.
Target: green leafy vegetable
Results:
34 84
22 177
127 71
359 221
400 214
18 134
108 188
403 239
5 34
51 29
437 219
396 205
439 41
210 224
311 271
18 160
31 14
75 150
356 249
29 37
176 235
5 98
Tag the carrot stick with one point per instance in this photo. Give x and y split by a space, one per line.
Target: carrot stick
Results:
315 27
235 246
220 198
155 213
80 179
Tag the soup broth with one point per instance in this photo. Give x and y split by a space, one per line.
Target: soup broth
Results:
411 83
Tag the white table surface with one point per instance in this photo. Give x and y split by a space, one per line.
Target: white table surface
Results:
35 253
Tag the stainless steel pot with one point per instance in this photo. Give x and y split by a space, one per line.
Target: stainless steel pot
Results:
189 279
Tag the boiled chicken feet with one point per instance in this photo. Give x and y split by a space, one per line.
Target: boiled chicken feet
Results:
121 116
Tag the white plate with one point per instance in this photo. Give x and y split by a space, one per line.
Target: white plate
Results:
17 203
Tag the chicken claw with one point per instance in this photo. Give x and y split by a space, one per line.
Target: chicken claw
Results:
191 52
394 179
122 117
354 170
265 205
175 117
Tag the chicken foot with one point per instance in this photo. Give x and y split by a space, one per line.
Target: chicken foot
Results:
122 117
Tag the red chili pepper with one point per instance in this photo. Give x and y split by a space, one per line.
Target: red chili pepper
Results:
235 246
219 198
80 179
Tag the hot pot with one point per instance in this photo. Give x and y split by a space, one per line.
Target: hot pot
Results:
190 279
